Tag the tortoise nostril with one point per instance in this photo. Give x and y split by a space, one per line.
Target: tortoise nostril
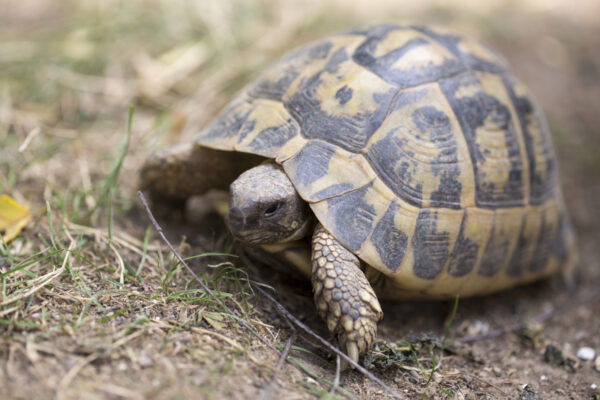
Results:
236 218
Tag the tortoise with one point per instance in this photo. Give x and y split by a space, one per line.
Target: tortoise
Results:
385 162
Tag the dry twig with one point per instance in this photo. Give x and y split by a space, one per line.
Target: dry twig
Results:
488 383
279 307
202 284
336 381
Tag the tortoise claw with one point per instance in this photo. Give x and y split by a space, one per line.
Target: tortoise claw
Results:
343 295
352 351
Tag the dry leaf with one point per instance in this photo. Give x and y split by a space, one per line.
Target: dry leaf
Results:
214 319
13 218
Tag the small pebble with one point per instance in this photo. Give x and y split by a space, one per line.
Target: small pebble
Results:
593 386
311 380
482 327
528 393
567 347
581 335
144 360
597 364
543 378
553 355
586 353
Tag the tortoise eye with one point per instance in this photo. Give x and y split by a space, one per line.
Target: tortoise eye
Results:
272 209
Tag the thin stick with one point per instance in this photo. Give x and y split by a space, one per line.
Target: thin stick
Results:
218 336
202 284
284 354
267 392
487 383
279 307
325 343
336 381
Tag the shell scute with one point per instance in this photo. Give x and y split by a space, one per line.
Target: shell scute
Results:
481 105
275 82
548 230
404 57
389 240
341 102
537 141
522 255
471 54
222 132
256 126
321 170
430 245
420 152
267 128
467 248
353 217
502 239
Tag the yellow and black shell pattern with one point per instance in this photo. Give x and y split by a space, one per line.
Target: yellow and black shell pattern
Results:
418 150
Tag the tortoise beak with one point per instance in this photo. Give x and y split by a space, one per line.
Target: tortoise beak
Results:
236 220
246 227
243 227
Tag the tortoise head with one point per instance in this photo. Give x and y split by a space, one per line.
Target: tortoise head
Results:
265 208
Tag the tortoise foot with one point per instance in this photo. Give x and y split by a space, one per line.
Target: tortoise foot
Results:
344 297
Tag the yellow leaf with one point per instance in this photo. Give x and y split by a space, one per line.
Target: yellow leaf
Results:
214 319
13 217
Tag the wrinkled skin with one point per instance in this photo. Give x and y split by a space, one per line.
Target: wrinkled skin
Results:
264 207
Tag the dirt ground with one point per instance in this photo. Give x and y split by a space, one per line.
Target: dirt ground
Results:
92 303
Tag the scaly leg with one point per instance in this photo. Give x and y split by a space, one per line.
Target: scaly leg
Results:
343 295
175 173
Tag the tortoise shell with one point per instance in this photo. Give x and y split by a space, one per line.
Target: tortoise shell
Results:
418 150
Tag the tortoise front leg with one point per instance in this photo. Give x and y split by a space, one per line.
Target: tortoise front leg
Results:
176 173
343 295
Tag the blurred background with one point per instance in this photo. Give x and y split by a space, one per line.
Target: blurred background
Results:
70 69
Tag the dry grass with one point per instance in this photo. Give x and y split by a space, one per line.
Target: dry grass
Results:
92 305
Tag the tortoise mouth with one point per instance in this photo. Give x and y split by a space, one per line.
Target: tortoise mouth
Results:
255 237
258 236
249 229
